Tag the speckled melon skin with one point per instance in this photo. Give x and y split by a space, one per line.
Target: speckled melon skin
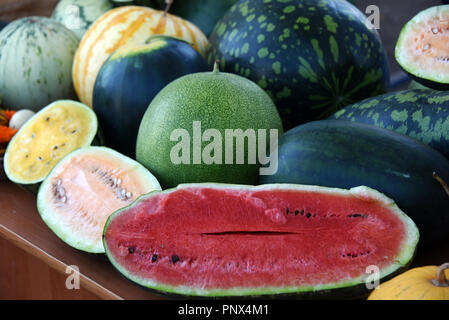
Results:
78 15
420 113
312 56
36 57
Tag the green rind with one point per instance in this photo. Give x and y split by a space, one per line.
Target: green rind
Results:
428 78
46 214
312 57
354 288
421 114
33 185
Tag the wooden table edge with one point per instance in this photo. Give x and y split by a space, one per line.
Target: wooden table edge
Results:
56 264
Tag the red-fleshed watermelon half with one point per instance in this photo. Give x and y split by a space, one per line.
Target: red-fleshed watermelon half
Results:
233 240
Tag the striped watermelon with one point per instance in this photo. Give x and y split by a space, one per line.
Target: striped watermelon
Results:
122 26
36 57
78 15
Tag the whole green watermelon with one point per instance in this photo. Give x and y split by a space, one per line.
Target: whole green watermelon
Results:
312 57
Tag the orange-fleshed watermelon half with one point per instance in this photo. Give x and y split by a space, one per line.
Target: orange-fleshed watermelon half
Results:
269 240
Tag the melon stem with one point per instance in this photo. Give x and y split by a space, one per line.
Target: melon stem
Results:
442 182
216 67
441 280
167 7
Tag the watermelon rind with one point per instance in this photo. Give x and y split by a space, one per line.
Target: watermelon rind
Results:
347 288
51 219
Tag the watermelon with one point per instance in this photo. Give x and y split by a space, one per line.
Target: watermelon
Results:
202 13
130 79
345 154
78 15
312 57
421 114
46 138
123 26
84 188
208 127
420 49
36 57
236 240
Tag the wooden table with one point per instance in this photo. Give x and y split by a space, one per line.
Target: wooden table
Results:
33 260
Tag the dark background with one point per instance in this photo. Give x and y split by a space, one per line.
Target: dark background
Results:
393 15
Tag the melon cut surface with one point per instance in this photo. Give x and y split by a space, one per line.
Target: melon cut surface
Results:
88 185
422 50
235 240
47 137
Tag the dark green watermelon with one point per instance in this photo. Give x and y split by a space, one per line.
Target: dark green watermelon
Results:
130 79
203 13
313 57
344 154
420 113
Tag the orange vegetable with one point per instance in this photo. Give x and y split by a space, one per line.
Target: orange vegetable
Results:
6 134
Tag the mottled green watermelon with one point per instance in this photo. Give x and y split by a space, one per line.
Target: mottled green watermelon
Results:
78 15
36 58
313 57
420 113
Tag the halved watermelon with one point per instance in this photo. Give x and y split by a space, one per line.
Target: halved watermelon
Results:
47 137
421 49
84 188
235 240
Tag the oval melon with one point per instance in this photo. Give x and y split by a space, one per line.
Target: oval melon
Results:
85 188
47 137
235 240
128 25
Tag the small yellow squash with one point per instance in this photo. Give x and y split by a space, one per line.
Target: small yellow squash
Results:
423 283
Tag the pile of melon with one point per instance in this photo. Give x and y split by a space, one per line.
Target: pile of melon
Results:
232 148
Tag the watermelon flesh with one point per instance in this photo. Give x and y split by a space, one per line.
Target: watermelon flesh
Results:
223 240
421 49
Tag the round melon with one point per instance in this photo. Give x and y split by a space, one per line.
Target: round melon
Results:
197 125
128 25
84 188
36 58
143 71
47 137
78 15
312 57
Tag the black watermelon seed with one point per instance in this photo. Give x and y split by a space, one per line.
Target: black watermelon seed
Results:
308 215
287 211
296 212
175 258
154 258
131 249
302 212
